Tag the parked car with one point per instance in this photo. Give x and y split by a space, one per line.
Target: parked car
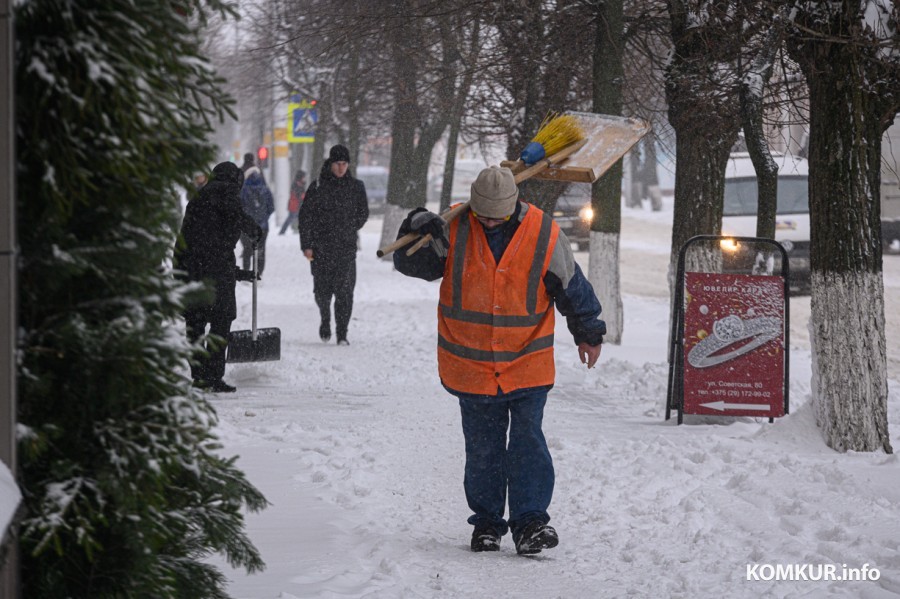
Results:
376 181
890 189
792 214
573 214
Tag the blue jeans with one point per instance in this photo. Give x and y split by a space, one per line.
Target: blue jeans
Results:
523 466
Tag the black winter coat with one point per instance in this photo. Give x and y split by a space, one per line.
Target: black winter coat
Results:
330 216
212 225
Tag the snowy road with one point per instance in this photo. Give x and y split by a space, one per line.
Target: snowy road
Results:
360 451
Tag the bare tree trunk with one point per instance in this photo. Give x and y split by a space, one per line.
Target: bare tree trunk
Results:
403 131
413 135
354 102
461 95
606 193
849 356
323 106
699 193
450 162
524 41
649 173
752 91
703 111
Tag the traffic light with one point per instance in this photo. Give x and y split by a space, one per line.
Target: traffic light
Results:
262 156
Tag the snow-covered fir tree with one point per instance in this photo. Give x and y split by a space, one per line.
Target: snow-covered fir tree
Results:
125 490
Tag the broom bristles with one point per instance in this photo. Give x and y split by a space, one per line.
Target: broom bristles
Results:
557 132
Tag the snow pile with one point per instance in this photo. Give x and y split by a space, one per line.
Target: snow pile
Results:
360 451
9 498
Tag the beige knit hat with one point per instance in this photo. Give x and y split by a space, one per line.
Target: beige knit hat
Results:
494 193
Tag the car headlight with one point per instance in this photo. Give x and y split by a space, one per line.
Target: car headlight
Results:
729 245
587 214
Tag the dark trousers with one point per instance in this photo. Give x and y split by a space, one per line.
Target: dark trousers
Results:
290 220
522 466
247 253
210 367
334 280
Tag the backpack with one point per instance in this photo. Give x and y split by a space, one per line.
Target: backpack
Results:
255 202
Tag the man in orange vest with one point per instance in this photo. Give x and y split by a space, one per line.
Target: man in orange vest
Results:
504 265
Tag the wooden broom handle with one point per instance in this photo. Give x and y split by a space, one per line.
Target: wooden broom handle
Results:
412 236
545 163
516 166
449 215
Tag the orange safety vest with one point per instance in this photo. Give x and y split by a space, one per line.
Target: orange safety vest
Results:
495 321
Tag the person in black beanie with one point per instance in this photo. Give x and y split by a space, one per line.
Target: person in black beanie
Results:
335 208
249 162
204 251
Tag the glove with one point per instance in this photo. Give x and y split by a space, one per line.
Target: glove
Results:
406 226
257 236
245 275
427 223
424 222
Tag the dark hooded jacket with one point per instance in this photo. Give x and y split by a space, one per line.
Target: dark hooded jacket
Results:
212 225
331 214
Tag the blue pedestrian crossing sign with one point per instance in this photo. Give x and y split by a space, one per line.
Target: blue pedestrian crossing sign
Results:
302 119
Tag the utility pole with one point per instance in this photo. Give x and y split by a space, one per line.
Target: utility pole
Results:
281 181
9 571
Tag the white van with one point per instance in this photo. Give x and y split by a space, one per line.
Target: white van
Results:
792 214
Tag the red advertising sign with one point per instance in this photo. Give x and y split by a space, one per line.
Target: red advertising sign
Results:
733 345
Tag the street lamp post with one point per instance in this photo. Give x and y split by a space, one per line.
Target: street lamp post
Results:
9 572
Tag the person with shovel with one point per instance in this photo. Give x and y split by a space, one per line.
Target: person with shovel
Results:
213 223
504 265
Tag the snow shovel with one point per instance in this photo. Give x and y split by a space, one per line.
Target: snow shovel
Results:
255 345
609 138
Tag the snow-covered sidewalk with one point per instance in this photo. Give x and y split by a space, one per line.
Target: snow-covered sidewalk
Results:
360 451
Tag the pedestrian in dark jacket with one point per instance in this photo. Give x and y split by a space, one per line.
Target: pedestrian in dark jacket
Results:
505 265
213 222
334 209
257 201
298 188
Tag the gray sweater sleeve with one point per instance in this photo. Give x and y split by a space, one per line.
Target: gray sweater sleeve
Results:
573 294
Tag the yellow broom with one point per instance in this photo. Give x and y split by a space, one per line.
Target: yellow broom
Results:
555 133
558 137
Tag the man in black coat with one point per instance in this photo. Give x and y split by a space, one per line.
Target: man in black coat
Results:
334 210
213 223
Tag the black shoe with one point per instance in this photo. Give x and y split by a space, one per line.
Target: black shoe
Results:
342 341
485 538
221 386
324 331
535 536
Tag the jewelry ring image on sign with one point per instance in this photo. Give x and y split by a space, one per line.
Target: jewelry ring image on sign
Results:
731 330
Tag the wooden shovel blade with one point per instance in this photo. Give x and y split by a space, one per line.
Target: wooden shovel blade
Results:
608 139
